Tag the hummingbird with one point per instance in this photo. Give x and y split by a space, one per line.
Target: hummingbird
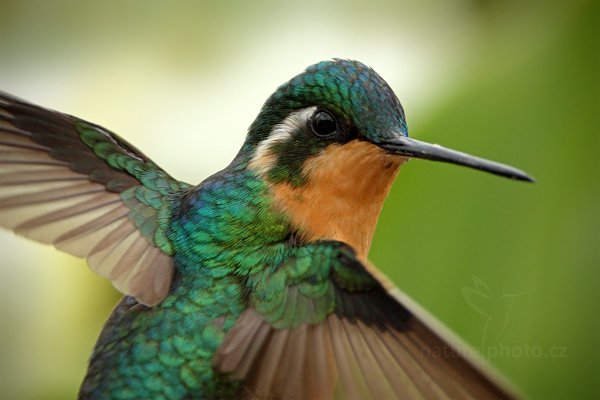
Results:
254 283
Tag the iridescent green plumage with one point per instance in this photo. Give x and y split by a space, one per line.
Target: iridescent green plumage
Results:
231 291
348 87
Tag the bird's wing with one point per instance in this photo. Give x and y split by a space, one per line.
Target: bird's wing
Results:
75 185
327 326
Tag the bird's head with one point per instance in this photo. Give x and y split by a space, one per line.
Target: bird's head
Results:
329 144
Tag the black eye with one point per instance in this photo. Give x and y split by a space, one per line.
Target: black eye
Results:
323 123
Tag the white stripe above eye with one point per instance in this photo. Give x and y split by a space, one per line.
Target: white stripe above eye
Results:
264 158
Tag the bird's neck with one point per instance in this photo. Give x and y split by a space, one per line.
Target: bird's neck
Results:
342 195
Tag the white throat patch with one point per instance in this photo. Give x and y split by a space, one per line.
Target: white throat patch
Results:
264 158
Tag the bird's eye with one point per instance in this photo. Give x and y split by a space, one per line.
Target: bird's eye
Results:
324 123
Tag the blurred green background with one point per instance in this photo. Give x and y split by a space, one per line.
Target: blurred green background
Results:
512 268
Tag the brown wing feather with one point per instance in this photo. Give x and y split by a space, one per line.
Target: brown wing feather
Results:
370 347
56 190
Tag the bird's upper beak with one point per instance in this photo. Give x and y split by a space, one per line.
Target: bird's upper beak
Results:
404 146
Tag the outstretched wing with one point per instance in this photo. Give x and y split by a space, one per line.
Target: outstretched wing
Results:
75 185
321 326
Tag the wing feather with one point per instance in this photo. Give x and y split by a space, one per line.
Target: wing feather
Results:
352 383
369 346
73 184
270 363
320 371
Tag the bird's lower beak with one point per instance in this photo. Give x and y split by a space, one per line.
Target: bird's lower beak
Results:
402 145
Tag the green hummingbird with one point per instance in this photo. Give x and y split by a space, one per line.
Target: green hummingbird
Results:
254 283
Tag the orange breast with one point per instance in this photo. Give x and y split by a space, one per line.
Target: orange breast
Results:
342 198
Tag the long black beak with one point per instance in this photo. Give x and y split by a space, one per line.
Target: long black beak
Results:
402 145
